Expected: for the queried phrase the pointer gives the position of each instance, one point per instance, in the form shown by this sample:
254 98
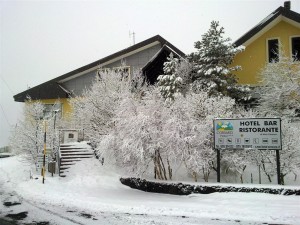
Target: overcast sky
41 40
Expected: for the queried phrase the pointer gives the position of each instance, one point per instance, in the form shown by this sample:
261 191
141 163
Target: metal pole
259 175
44 159
278 167
218 166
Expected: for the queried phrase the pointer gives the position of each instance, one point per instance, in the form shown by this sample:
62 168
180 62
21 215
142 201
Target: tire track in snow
48 211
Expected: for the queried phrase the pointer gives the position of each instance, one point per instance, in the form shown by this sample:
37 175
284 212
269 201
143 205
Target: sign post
248 133
44 156
278 167
218 166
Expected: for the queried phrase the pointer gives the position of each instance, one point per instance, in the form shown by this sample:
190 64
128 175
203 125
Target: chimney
287 5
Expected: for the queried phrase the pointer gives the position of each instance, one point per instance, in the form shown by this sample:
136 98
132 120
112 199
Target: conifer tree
170 83
212 70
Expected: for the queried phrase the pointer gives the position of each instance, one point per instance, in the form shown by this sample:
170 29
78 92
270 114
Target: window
273 50
123 70
295 44
51 109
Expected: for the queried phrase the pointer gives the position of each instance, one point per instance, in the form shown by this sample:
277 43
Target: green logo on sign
223 126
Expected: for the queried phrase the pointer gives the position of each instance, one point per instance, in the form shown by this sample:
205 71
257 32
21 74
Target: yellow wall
66 107
254 58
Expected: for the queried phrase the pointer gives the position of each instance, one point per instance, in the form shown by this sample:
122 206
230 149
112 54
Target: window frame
291 46
59 115
267 48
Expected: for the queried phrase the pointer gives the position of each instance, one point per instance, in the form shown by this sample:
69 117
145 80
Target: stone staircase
71 153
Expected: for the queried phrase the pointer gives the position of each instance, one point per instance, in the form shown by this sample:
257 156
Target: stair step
76 156
69 160
76 150
67 164
64 168
79 155
75 153
72 153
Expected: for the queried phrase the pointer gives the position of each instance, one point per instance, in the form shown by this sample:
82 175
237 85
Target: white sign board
256 133
40 160
70 136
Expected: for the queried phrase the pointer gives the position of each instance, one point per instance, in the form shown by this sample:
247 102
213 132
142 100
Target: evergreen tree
212 61
170 83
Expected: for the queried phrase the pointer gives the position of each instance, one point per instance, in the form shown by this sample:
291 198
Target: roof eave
21 97
281 12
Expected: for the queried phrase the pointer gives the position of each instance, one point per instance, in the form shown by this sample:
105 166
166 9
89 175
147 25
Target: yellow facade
66 107
254 58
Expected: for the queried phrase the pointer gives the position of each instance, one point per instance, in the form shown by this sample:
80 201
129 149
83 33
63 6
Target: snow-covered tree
279 92
170 82
28 135
97 106
212 65
95 111
138 135
279 89
188 133
289 155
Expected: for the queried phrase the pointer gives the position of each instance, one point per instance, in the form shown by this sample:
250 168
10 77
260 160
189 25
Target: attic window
273 50
296 48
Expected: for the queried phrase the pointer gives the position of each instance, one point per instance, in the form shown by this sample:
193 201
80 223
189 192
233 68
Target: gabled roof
54 89
281 13
154 67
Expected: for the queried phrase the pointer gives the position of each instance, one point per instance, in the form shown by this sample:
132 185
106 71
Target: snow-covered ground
92 194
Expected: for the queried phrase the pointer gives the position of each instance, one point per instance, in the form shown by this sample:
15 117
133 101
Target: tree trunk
169 169
157 165
264 169
282 178
194 176
161 163
241 177
206 175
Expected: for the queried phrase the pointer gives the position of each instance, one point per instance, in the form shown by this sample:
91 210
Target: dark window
273 50
296 48
71 135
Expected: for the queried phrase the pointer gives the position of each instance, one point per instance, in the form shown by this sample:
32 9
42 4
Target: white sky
41 40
